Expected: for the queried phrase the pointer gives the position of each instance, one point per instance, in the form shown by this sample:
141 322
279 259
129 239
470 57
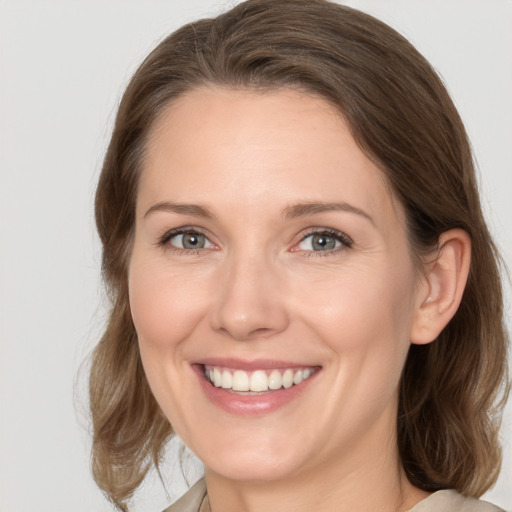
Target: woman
304 288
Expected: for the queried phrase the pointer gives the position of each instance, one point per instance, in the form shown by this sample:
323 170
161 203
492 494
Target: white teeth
240 381
275 381
227 380
258 381
288 379
217 378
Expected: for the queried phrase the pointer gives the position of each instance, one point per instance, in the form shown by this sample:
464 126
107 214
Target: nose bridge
249 302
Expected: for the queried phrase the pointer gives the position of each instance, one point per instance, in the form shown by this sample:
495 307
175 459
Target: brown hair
404 120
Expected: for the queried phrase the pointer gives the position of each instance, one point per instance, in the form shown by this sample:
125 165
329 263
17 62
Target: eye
324 241
188 240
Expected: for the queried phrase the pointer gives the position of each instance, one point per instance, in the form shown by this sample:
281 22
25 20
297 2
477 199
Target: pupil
323 243
193 241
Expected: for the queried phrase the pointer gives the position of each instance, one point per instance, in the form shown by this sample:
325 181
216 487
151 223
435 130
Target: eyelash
164 240
345 241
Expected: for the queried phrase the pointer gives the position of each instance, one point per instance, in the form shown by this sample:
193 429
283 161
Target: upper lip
251 365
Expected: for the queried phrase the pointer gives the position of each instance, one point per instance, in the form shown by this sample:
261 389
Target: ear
441 290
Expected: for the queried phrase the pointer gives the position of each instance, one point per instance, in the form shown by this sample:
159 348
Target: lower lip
251 405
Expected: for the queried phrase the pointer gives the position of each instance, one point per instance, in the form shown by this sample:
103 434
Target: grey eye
190 241
319 242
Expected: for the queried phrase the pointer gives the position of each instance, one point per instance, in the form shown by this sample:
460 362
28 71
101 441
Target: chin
240 468
252 459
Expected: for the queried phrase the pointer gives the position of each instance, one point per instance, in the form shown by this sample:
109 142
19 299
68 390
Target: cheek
165 305
361 300
165 308
364 316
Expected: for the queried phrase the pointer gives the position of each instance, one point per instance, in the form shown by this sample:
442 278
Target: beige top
440 501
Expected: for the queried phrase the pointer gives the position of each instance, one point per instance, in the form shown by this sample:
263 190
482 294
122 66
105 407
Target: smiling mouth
258 381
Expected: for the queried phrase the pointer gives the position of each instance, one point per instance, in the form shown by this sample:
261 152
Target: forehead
246 147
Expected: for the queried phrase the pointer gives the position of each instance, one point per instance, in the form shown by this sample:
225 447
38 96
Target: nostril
248 334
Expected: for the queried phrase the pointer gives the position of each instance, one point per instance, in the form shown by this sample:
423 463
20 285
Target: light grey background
63 67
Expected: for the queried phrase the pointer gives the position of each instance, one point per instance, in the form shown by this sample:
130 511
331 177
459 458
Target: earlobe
443 286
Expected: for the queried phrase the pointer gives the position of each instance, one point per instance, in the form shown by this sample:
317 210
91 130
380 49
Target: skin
258 290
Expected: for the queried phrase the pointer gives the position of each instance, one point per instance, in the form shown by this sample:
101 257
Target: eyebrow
183 209
303 209
291 212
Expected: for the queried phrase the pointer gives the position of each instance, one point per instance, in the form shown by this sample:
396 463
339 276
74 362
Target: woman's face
270 256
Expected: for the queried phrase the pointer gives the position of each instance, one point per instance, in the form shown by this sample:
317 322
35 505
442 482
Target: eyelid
164 239
343 238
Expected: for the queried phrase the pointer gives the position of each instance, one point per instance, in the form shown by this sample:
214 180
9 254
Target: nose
249 303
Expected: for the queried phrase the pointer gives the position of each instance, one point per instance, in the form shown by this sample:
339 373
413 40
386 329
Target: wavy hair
403 119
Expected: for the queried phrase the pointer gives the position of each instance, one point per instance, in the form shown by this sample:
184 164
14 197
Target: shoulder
191 500
451 501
